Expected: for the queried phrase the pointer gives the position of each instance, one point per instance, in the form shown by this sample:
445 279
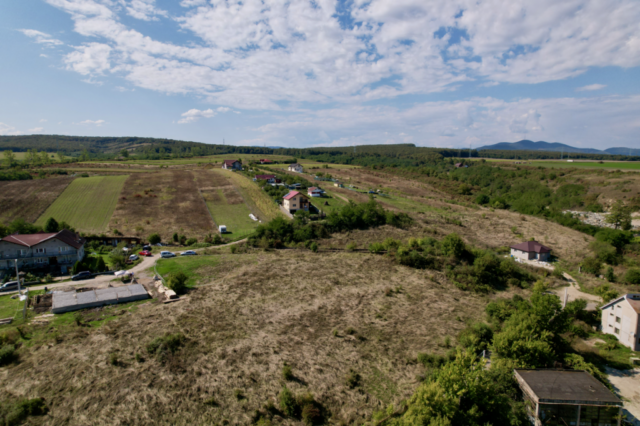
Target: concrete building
620 317
295 167
46 251
531 250
73 301
295 201
232 165
568 397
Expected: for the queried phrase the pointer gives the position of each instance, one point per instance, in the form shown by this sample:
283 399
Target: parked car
84 275
167 254
145 253
9 286
133 257
188 253
146 248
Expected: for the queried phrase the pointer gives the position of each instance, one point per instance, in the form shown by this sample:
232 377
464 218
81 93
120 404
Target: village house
567 397
53 251
531 250
268 178
338 184
232 165
620 317
295 167
314 192
295 201
266 161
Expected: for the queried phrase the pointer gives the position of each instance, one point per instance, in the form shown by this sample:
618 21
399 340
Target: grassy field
230 210
28 199
335 202
9 306
197 268
87 204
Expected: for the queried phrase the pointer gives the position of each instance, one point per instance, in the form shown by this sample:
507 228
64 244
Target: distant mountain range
526 145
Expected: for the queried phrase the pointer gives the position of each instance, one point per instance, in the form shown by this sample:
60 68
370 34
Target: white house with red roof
621 317
531 250
43 249
314 192
232 165
295 201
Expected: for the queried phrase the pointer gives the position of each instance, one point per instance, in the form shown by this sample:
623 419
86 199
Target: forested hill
155 148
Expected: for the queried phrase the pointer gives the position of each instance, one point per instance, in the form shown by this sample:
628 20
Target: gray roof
566 386
71 301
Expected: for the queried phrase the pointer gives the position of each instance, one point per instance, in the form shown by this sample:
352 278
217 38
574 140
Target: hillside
527 145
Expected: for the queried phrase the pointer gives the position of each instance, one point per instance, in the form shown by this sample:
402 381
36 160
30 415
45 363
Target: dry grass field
323 314
28 199
162 202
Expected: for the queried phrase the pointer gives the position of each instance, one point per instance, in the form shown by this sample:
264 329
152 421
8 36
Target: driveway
573 293
627 385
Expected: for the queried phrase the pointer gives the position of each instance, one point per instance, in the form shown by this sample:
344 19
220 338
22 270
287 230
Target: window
617 331
610 325
611 314
23 252
618 319
294 205
41 250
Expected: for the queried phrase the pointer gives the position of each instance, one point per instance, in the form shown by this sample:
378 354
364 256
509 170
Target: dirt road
573 293
627 385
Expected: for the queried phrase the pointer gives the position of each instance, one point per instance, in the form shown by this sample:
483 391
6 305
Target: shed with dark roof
531 250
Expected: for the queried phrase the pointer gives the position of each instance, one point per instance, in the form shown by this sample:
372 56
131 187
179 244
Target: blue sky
449 73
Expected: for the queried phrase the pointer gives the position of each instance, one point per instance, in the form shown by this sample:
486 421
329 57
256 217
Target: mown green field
8 306
335 202
196 268
234 216
87 204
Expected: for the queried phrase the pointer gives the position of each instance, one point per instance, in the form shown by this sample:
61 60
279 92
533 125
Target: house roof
291 194
566 386
632 298
532 246
230 162
265 177
314 189
30 240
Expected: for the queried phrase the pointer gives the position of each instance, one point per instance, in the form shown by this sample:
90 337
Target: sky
440 73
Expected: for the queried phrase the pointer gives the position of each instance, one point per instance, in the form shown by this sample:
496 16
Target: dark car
10 286
84 275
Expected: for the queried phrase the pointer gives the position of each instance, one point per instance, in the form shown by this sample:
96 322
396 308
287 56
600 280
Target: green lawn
87 203
335 202
8 306
234 216
197 268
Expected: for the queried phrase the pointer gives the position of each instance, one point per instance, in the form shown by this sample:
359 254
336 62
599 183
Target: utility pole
18 278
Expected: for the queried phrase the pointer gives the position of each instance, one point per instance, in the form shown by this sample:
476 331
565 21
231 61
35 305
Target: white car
134 257
188 253
166 254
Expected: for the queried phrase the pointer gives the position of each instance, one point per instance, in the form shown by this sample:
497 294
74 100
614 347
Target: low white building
295 167
530 250
620 317
314 192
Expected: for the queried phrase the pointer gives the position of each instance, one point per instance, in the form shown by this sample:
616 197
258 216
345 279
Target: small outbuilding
531 250
314 192
568 397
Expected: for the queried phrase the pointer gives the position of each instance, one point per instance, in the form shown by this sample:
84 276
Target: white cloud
223 109
43 120
36 130
41 38
195 114
261 54
97 123
591 87
92 58
42 55
7 130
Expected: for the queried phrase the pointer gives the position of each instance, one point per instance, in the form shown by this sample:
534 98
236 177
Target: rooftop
290 195
532 246
565 386
30 240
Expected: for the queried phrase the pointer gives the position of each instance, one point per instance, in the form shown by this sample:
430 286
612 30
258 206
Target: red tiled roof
230 162
532 246
291 195
313 188
30 240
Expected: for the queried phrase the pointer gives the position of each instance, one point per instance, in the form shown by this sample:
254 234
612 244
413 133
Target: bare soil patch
162 202
28 199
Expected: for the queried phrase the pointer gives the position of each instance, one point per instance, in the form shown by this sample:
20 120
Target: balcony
36 255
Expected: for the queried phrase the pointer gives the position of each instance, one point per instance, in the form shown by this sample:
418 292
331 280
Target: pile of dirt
42 303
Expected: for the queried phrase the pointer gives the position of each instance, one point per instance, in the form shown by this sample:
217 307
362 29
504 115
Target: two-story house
295 167
621 317
53 251
295 201
232 165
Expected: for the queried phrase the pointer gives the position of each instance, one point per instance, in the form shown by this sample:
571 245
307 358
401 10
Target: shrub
113 359
7 354
591 265
100 265
288 403
376 248
311 414
169 343
606 292
17 413
178 282
352 246
452 245
482 199
632 276
191 241
176 238
313 247
353 379
287 372
239 394
154 239
610 275
183 239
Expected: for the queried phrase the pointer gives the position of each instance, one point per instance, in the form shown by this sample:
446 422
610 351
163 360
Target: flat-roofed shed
564 397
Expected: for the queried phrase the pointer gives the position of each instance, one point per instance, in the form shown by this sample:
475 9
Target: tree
51 225
100 265
610 275
154 239
124 153
10 158
591 265
44 158
61 158
85 155
176 238
178 282
632 276
183 239
620 216
452 245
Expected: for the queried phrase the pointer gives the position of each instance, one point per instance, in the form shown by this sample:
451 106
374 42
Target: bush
353 379
191 241
452 245
352 246
482 199
610 275
7 354
288 403
176 238
154 239
632 276
311 414
591 265
287 372
167 344
113 359
100 265
17 413
376 248
178 282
